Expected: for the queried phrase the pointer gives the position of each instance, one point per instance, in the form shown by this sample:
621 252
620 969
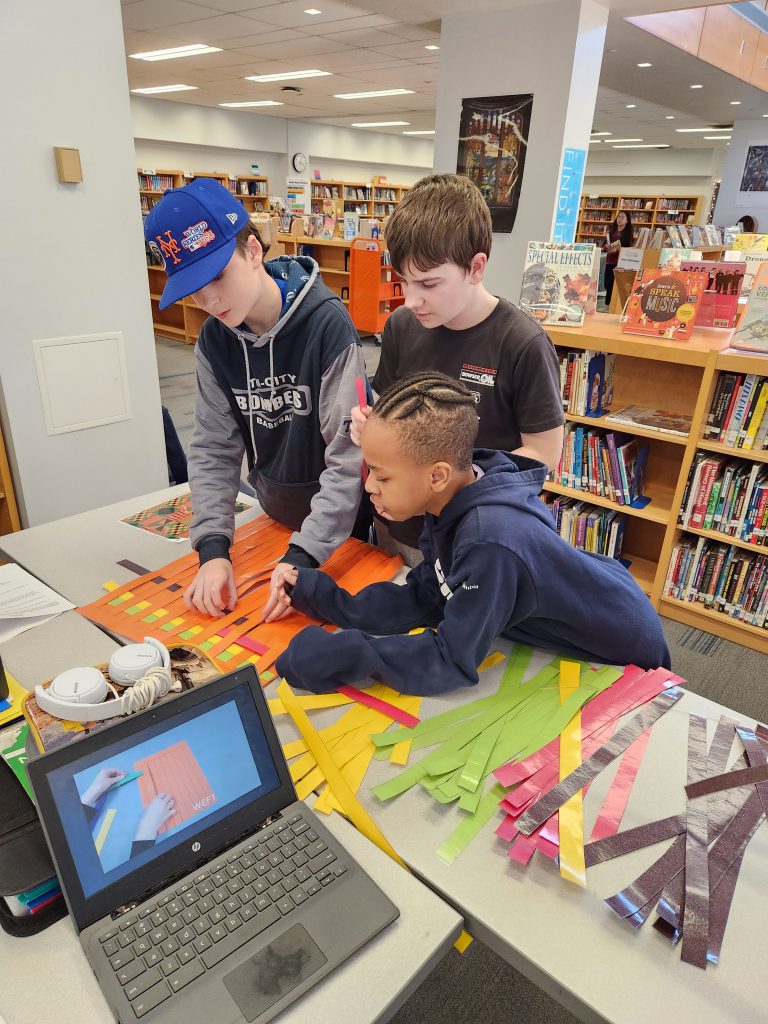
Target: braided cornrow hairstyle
436 418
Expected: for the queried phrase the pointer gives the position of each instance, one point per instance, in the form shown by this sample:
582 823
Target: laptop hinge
210 856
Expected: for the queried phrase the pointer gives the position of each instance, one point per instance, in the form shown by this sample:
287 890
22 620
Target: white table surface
76 555
564 939
46 978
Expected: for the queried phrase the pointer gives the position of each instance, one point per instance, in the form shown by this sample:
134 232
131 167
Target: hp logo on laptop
196 847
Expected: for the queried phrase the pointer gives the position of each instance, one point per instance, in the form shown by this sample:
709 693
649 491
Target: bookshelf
364 198
375 288
682 376
9 512
331 254
597 212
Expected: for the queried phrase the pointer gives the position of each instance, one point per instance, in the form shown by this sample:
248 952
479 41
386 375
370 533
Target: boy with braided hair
493 564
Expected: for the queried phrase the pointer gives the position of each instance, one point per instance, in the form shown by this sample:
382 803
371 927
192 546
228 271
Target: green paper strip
474 769
469 802
466 831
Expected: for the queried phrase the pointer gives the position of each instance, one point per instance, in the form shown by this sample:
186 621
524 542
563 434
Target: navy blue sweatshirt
493 564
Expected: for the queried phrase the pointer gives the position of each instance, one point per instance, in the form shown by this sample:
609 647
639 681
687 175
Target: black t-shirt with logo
507 361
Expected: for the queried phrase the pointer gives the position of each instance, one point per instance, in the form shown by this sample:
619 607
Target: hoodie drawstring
244 346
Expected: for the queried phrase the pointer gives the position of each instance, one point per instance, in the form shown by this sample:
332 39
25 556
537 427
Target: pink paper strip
522 851
379 705
624 695
251 645
614 805
548 849
507 829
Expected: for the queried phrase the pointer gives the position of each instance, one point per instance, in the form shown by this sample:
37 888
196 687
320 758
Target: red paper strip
379 705
251 645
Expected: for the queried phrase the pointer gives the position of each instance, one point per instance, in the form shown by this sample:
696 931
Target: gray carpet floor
479 985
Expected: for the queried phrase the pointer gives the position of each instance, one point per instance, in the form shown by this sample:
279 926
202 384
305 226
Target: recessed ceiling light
312 10
645 64
686 131
253 103
717 138
176 51
765 115
430 131
595 142
626 140
735 103
669 117
631 106
285 76
369 95
379 124
697 86
431 46
164 88
648 145
602 133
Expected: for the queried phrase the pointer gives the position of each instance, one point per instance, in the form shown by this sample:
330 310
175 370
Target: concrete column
73 260
732 202
552 50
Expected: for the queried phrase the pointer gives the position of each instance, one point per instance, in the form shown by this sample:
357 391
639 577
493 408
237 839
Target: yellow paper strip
106 825
571 814
351 806
493 659
401 751
110 585
463 941
309 783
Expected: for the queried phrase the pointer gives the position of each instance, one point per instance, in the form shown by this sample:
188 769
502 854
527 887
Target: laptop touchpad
274 971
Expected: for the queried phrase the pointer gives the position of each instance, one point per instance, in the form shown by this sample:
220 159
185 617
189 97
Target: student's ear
254 250
440 476
477 267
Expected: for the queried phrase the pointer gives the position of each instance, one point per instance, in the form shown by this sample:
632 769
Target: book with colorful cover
719 306
752 333
652 419
745 240
191 668
663 303
753 260
672 259
170 519
559 283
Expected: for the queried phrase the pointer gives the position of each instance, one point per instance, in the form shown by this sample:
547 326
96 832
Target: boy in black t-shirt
439 239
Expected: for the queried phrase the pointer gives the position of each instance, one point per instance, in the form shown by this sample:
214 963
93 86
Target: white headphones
79 694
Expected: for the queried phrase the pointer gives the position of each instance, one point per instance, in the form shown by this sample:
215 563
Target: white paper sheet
26 602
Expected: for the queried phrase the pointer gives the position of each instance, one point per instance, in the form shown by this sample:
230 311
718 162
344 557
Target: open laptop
201 889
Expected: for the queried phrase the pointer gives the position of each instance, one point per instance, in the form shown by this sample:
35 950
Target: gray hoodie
282 399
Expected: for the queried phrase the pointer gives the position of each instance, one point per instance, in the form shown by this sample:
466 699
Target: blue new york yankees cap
192 231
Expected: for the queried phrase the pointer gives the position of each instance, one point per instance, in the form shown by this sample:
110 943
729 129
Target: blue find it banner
569 195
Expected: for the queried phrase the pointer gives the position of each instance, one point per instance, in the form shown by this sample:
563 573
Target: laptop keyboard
159 949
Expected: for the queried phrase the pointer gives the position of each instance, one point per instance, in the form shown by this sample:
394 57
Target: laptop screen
131 807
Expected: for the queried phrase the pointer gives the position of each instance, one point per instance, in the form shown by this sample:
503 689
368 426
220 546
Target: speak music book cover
663 303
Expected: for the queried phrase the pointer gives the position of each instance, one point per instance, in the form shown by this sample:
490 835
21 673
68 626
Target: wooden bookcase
182 321
597 212
369 200
9 512
681 376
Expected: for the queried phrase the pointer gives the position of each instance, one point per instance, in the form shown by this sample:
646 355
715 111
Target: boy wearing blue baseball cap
276 363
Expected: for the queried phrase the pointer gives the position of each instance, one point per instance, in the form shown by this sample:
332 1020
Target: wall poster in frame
493 139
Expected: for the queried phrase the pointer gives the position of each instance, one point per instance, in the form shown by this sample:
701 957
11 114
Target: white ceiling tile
210 30
316 27
233 6
290 13
368 37
153 14
241 43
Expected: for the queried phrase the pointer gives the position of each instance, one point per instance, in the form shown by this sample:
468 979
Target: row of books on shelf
386 195
605 464
155 182
357 192
720 576
252 188
326 192
738 416
728 496
588 528
586 382
147 202
384 209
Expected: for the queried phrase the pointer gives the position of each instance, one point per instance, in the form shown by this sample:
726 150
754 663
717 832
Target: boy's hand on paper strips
279 603
213 591
106 778
359 415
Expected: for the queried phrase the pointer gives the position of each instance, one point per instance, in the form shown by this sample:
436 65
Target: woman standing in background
619 234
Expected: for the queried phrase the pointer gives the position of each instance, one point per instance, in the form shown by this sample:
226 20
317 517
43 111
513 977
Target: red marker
362 402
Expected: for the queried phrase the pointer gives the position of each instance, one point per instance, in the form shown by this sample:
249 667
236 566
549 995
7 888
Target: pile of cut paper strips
544 741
